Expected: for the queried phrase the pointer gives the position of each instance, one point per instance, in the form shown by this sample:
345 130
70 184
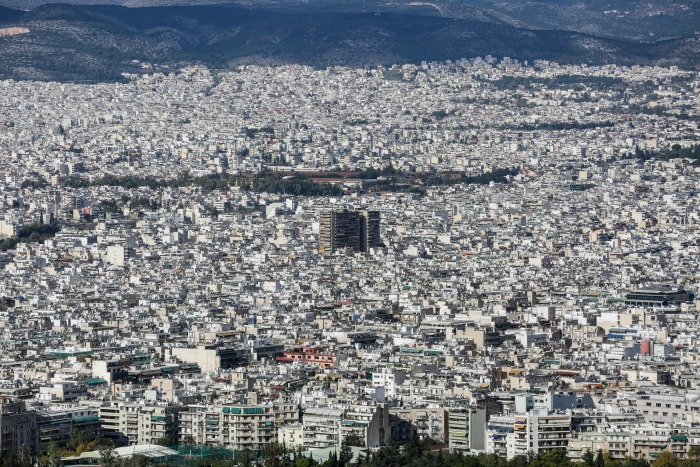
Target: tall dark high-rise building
353 230
340 229
369 235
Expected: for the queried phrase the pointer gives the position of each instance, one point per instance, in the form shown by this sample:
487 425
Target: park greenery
415 452
420 453
267 182
675 152
33 233
34 183
76 444
251 132
298 184
497 175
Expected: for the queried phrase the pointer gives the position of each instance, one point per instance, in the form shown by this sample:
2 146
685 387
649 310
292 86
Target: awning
96 381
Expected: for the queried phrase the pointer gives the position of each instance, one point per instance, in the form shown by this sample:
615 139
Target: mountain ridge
99 42
621 19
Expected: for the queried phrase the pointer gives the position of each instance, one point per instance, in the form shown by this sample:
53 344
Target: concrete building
212 358
425 422
539 433
17 426
353 230
233 427
322 427
466 430
128 424
56 425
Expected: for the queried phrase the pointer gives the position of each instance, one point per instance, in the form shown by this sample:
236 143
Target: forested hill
90 43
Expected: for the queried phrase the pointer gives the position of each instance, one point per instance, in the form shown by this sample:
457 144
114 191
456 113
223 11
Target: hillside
87 43
8 14
629 19
620 19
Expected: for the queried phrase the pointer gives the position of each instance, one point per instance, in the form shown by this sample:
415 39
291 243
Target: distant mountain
621 19
8 14
629 19
87 43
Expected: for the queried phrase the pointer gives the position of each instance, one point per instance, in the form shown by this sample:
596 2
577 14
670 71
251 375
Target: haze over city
301 234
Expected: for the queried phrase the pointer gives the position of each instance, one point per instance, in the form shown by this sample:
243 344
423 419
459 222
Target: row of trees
419 454
395 182
415 453
206 182
298 184
496 176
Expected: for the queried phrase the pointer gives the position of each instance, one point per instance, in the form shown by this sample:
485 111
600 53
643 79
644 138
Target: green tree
109 458
611 462
666 459
275 452
75 438
52 457
345 455
15 459
354 440
25 455
694 452
414 448
555 458
137 460
632 463
245 458
305 462
332 460
600 459
165 441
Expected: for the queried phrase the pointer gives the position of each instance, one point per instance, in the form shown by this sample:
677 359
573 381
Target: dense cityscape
482 259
